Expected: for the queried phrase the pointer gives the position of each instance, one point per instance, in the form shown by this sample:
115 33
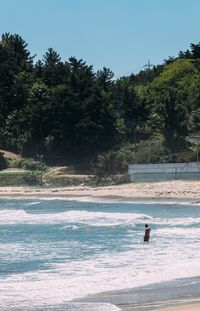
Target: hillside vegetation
77 117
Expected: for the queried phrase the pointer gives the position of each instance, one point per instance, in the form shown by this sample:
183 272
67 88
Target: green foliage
113 162
18 178
183 157
15 130
151 151
66 109
193 53
171 102
30 178
3 163
173 73
26 164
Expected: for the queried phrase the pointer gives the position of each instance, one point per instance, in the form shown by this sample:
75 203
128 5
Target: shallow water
55 251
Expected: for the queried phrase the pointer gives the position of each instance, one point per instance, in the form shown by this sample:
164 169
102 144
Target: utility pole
149 145
134 133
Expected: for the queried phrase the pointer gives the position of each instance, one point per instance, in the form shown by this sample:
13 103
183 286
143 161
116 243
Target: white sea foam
91 218
176 221
70 280
188 233
33 203
91 307
85 217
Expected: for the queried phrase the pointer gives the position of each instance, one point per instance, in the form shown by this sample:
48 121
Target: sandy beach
175 191
191 307
169 190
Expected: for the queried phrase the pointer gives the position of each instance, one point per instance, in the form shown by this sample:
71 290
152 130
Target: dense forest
74 115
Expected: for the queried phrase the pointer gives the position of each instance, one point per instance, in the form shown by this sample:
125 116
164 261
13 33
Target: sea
57 254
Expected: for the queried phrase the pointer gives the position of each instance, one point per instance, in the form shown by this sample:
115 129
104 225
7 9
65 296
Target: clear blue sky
119 34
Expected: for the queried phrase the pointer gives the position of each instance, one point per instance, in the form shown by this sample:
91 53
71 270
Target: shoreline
105 199
174 295
168 191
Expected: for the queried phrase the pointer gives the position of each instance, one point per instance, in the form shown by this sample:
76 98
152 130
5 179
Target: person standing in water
147 233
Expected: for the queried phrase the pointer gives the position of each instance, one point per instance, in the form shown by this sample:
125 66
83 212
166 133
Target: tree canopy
66 109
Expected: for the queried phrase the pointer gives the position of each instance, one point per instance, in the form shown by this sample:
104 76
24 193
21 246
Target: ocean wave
85 217
182 221
91 218
188 233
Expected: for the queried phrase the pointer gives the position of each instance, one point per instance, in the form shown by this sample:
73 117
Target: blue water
55 251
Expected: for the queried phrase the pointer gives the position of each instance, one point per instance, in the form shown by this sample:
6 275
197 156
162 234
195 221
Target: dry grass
64 176
64 171
10 155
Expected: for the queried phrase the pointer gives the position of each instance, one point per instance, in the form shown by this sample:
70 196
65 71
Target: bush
26 164
3 163
151 151
30 178
113 162
182 157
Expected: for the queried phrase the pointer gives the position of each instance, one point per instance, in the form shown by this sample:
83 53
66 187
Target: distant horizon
116 34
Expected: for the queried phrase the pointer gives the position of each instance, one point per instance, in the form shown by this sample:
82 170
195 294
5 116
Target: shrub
186 156
3 163
113 162
30 178
26 164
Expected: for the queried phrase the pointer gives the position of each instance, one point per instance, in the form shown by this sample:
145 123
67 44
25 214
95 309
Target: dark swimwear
147 235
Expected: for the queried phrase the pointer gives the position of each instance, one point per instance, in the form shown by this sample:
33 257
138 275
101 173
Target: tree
38 111
15 71
104 78
130 105
169 115
16 130
51 68
18 55
195 50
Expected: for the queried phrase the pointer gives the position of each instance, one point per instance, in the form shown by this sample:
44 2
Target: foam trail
33 203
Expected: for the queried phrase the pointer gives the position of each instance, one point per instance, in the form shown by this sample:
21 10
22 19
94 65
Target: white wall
168 171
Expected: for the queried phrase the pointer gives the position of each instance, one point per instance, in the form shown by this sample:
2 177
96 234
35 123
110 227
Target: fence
161 172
